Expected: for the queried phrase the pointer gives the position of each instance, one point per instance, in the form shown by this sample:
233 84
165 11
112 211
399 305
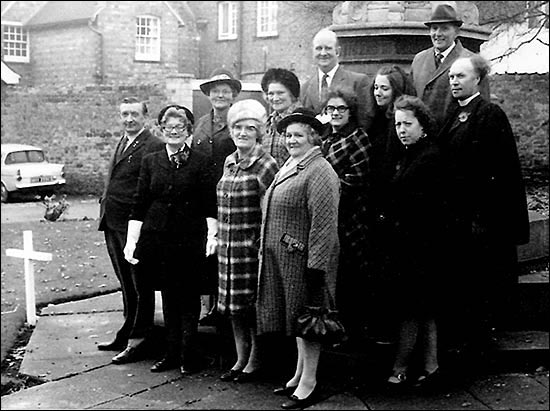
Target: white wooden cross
28 254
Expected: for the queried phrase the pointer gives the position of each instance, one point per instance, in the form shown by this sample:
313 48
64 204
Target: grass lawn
80 268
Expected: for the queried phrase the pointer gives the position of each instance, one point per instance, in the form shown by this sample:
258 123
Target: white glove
211 237
132 237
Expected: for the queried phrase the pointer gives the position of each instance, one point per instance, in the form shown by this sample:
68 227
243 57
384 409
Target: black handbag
321 324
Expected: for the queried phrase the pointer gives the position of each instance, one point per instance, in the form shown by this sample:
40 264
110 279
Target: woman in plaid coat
299 246
246 175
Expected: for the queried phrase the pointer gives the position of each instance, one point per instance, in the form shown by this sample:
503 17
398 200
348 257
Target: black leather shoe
130 354
230 375
299 404
165 364
428 380
111 346
285 391
247 376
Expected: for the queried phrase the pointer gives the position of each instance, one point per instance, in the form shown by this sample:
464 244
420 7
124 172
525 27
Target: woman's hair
174 112
285 77
400 83
349 96
420 111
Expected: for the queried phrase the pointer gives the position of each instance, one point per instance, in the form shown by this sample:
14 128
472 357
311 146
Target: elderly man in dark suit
330 74
430 67
115 206
487 204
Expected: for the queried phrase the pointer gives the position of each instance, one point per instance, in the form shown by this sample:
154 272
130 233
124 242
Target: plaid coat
240 191
348 152
299 232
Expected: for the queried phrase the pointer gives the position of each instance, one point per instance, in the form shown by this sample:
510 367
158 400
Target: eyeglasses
179 128
340 109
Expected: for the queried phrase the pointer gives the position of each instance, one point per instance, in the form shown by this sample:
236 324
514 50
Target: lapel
312 155
339 77
449 60
136 144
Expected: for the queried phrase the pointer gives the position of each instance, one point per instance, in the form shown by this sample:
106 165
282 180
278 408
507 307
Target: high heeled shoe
295 403
428 379
230 375
285 391
397 379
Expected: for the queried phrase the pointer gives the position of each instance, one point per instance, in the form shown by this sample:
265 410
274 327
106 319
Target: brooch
462 117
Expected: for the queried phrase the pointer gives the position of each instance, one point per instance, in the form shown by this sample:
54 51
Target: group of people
404 191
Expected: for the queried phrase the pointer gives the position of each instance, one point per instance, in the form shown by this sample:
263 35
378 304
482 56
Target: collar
445 53
464 103
132 138
248 160
170 151
331 74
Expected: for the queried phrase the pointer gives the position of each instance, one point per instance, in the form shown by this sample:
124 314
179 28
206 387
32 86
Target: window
267 18
18 157
227 20
148 38
15 41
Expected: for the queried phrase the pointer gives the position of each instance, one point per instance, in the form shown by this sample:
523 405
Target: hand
211 246
129 252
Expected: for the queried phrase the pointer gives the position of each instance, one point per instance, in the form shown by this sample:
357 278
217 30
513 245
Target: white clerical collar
330 74
463 103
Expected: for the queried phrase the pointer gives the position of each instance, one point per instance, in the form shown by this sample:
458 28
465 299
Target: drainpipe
100 72
240 41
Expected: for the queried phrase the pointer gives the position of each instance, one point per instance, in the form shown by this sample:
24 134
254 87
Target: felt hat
286 77
248 109
221 76
444 13
301 115
188 113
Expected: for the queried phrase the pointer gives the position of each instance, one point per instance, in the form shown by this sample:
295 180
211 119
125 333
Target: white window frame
147 45
266 19
227 20
25 44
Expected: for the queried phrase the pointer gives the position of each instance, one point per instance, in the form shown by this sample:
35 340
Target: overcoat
121 181
214 141
299 232
432 85
173 204
358 82
240 192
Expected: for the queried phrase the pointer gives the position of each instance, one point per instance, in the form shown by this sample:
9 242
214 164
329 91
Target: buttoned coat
240 192
299 232
121 182
173 204
358 82
432 85
205 137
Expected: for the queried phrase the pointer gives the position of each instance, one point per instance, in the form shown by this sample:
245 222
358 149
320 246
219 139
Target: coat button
225 195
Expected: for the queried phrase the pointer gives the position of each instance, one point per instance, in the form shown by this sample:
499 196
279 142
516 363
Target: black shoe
165 364
428 380
212 319
299 404
230 375
247 376
285 391
115 345
185 370
130 354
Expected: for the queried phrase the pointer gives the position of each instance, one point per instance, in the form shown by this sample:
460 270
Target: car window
31 156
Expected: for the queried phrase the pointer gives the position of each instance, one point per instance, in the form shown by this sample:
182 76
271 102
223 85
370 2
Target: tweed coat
121 182
432 85
213 140
358 82
240 192
299 233
173 204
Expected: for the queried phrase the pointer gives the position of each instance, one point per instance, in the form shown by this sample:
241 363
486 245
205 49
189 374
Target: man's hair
481 66
328 31
134 100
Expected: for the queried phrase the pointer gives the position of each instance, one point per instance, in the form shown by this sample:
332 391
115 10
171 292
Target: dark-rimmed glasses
339 109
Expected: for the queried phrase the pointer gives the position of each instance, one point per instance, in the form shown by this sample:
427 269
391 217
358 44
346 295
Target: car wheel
5 194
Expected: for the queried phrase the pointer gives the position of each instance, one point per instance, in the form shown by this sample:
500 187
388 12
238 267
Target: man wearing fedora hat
430 67
212 138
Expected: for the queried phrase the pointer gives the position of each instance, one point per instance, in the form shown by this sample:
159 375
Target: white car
25 168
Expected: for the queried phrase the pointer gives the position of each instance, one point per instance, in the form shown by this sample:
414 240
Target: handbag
321 324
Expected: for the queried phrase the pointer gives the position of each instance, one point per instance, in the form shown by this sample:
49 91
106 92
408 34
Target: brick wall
76 126
524 98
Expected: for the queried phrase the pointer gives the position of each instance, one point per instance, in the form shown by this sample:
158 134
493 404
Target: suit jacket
432 85
486 182
121 182
358 82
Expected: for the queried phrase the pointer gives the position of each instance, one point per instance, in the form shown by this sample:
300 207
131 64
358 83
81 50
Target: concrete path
62 352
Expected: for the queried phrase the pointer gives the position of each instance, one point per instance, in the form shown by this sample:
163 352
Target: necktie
438 58
324 88
121 148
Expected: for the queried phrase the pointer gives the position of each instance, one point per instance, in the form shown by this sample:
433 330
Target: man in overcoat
430 76
488 205
115 206
330 74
